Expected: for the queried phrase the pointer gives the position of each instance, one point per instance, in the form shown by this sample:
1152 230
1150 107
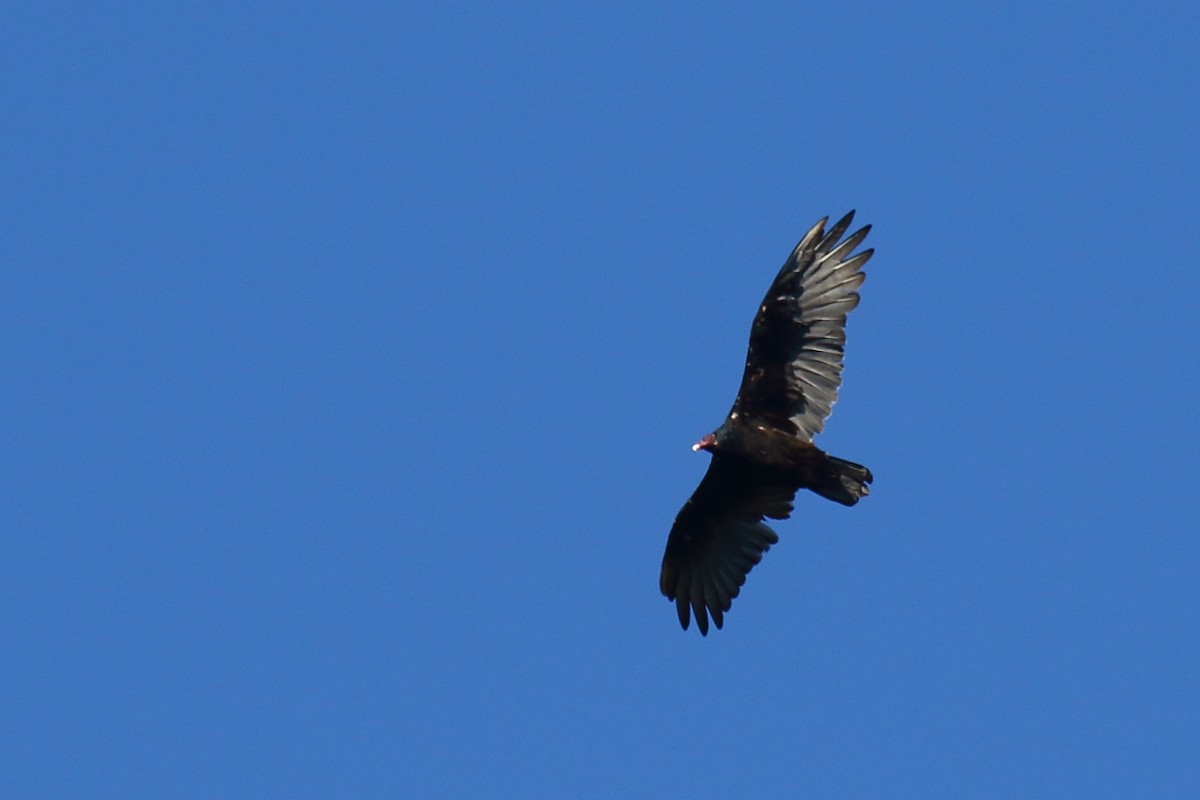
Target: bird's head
707 443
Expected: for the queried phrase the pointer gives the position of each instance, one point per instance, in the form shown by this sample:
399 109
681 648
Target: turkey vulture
763 451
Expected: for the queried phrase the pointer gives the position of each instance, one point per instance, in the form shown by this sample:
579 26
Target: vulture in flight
764 452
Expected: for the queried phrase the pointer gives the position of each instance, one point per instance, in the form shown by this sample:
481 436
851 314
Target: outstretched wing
718 537
794 362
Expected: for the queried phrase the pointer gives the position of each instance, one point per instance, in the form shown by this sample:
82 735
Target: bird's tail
844 481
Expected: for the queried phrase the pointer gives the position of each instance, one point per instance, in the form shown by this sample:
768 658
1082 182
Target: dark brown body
779 458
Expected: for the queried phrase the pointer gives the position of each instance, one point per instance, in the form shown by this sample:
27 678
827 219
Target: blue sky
354 354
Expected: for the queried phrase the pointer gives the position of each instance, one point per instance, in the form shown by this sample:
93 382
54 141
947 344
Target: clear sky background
352 355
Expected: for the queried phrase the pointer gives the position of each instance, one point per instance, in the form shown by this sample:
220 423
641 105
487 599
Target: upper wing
718 537
794 362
